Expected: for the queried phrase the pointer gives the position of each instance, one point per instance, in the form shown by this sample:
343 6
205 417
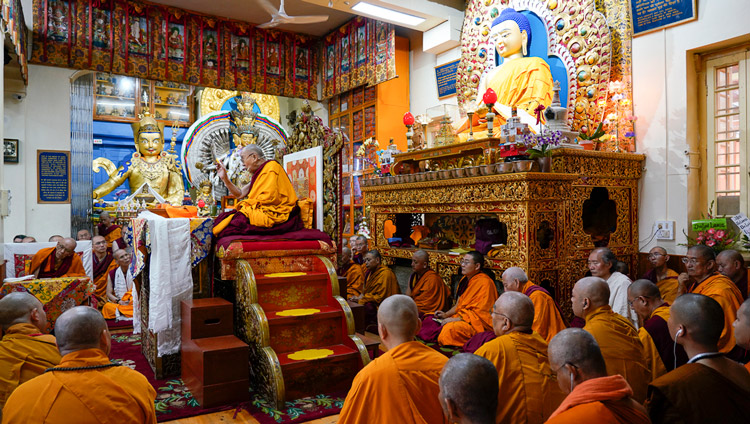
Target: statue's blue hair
510 14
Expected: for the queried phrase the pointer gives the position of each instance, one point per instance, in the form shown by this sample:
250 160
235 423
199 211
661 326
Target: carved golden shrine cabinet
551 218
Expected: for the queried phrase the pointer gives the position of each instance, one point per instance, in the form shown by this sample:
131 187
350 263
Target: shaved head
595 289
732 255
469 388
701 316
83 234
255 149
659 249
346 255
644 288
702 251
515 272
17 307
421 255
399 315
55 238
80 328
577 347
517 307
742 326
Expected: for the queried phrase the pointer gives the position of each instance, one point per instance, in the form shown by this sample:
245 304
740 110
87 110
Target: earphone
678 334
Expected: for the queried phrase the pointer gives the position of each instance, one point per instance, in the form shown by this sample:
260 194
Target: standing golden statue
150 164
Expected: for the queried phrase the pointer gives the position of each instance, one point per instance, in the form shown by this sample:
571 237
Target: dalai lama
58 261
270 206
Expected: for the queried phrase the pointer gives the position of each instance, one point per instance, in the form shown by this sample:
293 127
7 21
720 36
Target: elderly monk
359 248
661 275
702 278
731 264
601 264
380 283
742 328
593 396
119 288
400 386
355 278
616 336
103 264
24 351
470 314
110 231
58 261
710 387
468 390
425 285
653 312
268 205
83 234
86 387
528 391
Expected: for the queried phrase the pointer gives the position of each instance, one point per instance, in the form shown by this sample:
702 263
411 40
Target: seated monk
742 328
593 395
602 264
470 314
359 248
25 352
661 275
380 283
86 387
355 279
83 234
58 261
103 264
528 390
702 278
616 336
110 231
710 388
425 285
468 390
653 312
55 238
119 288
731 264
268 205
400 386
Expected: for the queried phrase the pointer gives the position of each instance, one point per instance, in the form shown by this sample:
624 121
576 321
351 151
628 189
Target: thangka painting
305 170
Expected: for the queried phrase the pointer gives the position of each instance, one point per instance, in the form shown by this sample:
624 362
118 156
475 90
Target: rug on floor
174 400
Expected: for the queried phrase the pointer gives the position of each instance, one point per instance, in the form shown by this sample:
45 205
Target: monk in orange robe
468 389
25 352
119 288
664 277
103 264
615 334
528 391
269 204
653 313
710 387
97 388
425 285
548 319
58 261
593 397
470 314
355 279
731 264
400 386
702 278
742 328
111 232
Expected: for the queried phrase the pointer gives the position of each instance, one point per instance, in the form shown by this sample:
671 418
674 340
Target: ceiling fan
279 17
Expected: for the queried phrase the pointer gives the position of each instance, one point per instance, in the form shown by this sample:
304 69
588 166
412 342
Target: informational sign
742 221
705 224
446 79
53 176
650 15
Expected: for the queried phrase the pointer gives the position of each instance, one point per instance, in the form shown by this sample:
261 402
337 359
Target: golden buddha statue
521 81
150 164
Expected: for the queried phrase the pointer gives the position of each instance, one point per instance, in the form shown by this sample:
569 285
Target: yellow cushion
306 209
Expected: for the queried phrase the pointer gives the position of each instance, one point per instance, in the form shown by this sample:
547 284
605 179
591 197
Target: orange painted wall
393 100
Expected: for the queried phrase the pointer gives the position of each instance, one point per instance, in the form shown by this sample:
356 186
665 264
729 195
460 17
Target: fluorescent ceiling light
387 14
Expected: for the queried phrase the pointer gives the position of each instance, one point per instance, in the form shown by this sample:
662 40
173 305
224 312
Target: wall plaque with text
53 176
651 15
446 79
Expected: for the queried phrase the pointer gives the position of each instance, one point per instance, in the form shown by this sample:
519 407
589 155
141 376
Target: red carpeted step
289 292
308 377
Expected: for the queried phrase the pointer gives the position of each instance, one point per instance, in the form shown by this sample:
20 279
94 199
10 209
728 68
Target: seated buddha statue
150 164
522 82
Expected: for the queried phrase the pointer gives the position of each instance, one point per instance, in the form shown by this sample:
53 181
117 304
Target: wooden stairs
300 332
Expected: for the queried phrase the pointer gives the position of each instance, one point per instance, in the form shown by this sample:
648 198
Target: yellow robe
24 354
547 319
400 386
380 284
473 307
117 394
668 286
271 198
621 348
724 291
528 388
429 292
355 280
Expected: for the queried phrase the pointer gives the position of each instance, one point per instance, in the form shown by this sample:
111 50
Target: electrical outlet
664 230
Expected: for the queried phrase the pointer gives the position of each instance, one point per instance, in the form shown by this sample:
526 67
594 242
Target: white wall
660 97
422 81
40 121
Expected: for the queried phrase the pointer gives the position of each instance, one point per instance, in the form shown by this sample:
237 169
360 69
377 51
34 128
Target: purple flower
630 134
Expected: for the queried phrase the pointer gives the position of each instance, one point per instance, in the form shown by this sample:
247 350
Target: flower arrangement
540 145
716 239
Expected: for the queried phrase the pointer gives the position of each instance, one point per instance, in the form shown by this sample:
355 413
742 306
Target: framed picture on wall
10 150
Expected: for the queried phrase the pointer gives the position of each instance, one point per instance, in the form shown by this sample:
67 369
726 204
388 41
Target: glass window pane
721 77
733 76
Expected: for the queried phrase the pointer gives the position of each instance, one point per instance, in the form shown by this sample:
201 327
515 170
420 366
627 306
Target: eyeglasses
594 262
630 302
690 261
655 255
466 262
